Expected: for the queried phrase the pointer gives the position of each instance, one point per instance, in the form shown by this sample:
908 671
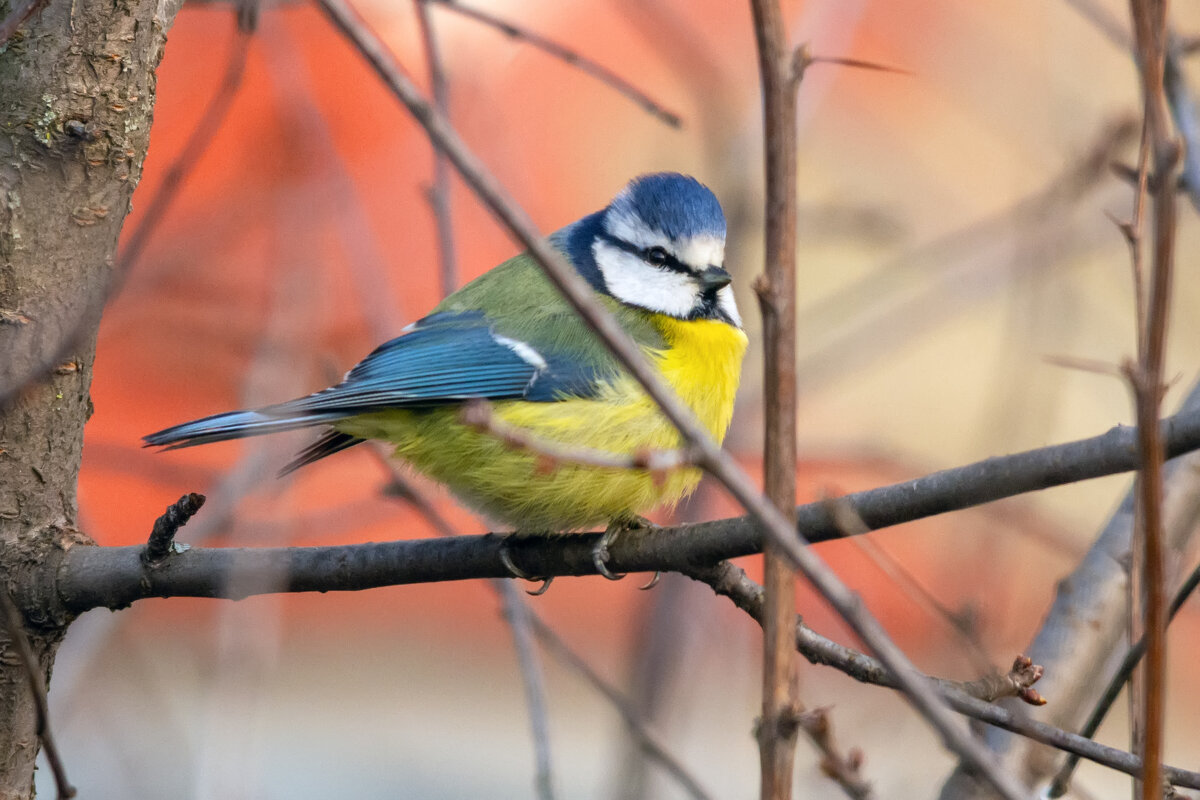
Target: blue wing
447 358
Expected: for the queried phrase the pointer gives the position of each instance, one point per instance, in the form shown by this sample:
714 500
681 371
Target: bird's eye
657 256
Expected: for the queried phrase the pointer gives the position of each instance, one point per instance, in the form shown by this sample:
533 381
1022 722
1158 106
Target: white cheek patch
633 281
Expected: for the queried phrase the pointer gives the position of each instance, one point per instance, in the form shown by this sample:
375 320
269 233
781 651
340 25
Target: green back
524 305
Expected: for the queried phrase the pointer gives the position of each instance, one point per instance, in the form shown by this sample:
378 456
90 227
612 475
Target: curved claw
652 582
600 560
513 569
541 590
517 572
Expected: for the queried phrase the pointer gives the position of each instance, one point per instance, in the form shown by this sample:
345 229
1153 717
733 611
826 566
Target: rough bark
76 97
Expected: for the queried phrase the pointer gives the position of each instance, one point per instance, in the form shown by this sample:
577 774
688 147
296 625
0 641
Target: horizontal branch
113 577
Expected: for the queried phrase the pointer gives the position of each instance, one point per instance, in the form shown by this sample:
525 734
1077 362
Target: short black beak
714 278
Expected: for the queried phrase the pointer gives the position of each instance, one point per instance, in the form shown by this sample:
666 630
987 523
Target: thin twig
856 63
843 769
17 17
37 687
1146 378
909 294
439 191
729 581
1062 780
853 527
478 414
1183 106
517 614
568 56
162 535
211 120
550 639
579 294
1187 119
189 156
779 75
634 723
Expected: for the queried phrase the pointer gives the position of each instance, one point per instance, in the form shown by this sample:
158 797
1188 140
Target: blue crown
675 205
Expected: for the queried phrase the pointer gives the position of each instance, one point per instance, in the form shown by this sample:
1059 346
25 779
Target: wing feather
446 358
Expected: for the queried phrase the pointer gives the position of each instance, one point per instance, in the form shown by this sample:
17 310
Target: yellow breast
702 363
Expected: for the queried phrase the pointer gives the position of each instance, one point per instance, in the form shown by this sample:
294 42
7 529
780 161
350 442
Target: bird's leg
517 572
615 529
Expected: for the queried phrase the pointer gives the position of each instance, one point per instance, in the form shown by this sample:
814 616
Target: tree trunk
76 98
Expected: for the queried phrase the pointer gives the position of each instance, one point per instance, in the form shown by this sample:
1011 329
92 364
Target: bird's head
659 245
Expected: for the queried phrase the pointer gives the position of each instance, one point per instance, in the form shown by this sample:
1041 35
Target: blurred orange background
303 236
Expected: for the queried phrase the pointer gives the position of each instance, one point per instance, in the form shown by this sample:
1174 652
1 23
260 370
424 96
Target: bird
654 257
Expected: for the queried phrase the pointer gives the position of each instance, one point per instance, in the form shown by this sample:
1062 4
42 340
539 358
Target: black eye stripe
654 256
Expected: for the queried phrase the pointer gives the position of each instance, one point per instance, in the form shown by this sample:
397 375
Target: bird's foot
615 529
517 572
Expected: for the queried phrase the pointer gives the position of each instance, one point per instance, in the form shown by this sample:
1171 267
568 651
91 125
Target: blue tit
654 257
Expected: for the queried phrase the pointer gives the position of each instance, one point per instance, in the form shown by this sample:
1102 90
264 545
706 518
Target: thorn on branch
162 537
1094 366
1125 227
802 59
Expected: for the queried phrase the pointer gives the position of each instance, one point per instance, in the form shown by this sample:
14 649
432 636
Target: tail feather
330 442
237 425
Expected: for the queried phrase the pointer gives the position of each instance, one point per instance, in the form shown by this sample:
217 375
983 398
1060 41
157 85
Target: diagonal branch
731 582
567 56
774 524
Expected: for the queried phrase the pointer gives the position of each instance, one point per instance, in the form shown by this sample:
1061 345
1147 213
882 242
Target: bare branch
566 55
516 613
1089 614
647 740
579 295
776 290
111 577
852 526
1146 377
439 192
842 769
1063 779
729 581
37 687
518 616
210 123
